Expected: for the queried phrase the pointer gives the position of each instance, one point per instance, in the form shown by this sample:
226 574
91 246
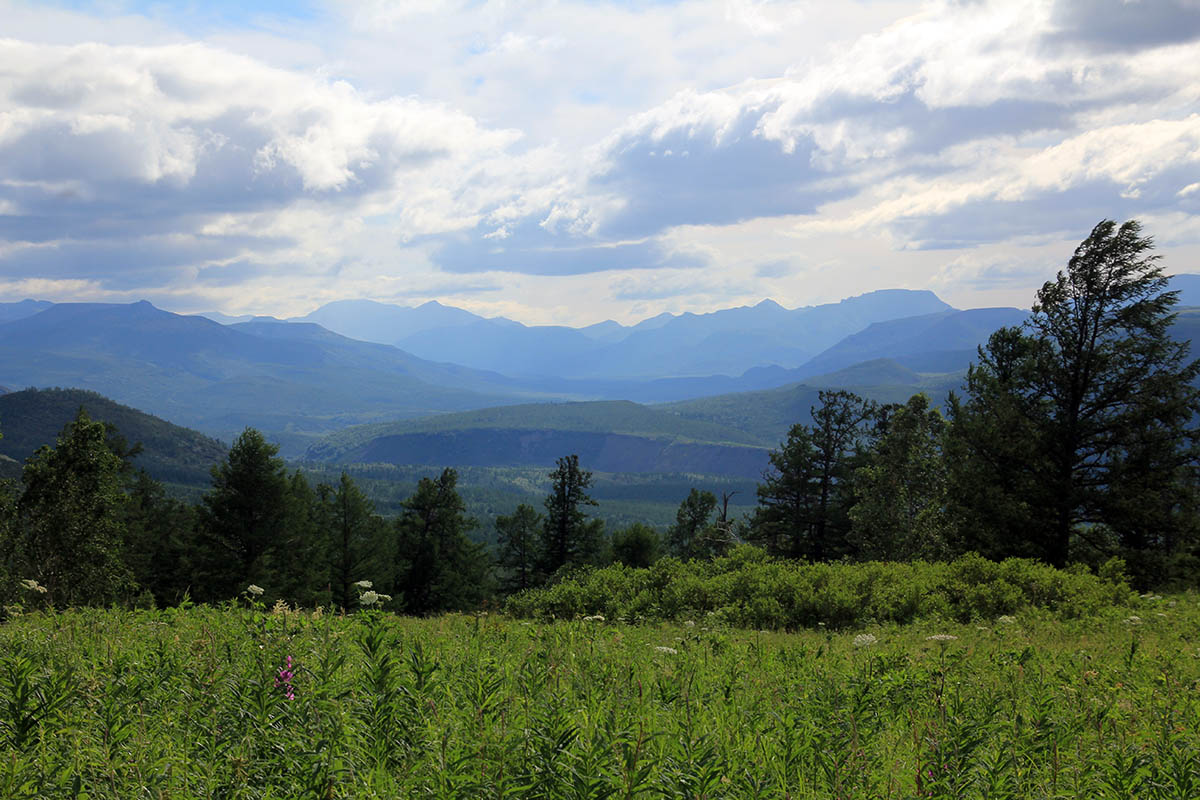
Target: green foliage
438 568
375 707
72 518
1085 417
900 513
805 498
569 538
160 542
243 518
519 542
747 588
636 546
693 535
357 539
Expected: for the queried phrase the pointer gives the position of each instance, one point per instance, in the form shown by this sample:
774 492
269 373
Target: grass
186 703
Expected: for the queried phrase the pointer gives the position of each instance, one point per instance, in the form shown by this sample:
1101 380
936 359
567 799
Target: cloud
134 145
1105 25
686 153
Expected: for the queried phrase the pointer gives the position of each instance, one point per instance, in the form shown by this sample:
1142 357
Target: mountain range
754 369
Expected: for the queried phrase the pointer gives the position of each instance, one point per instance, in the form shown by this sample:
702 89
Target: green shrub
747 588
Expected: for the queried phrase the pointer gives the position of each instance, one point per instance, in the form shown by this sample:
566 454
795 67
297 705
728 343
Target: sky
570 161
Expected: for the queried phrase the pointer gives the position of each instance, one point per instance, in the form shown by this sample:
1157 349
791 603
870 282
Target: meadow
243 701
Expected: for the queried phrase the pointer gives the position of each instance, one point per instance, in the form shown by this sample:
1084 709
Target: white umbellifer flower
1006 619
364 584
594 618
33 586
864 640
1133 620
689 624
941 637
368 598
671 651
254 589
384 598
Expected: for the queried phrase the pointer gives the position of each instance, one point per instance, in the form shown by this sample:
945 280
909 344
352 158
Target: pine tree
805 497
438 567
72 518
356 537
569 538
243 519
519 541
1098 397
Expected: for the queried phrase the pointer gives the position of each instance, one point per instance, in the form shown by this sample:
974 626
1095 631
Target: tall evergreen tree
357 539
1100 398
692 536
519 540
438 567
900 513
568 536
243 518
159 540
72 518
804 500
297 563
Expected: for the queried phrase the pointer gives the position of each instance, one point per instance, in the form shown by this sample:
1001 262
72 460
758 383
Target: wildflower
363 584
594 618
255 590
283 681
368 598
689 624
1133 620
864 640
33 586
671 651
1006 619
941 637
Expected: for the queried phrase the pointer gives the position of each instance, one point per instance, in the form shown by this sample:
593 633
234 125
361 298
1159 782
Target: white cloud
703 151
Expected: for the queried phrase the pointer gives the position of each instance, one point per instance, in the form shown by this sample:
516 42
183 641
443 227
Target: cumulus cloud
176 152
694 151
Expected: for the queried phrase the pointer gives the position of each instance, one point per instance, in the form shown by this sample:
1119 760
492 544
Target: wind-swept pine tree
1079 429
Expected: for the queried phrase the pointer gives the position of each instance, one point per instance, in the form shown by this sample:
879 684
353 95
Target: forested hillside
33 418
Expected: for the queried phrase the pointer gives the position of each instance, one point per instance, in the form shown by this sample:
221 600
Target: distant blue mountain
272 375
941 342
385 323
25 308
726 342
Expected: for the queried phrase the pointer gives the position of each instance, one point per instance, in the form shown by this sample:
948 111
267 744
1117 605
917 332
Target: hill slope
172 454
607 436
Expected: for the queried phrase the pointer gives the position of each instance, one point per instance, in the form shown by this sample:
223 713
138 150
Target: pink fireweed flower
283 681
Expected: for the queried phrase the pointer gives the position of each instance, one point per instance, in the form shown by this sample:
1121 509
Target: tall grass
193 703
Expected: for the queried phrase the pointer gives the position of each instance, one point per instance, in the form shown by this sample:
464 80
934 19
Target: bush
749 589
